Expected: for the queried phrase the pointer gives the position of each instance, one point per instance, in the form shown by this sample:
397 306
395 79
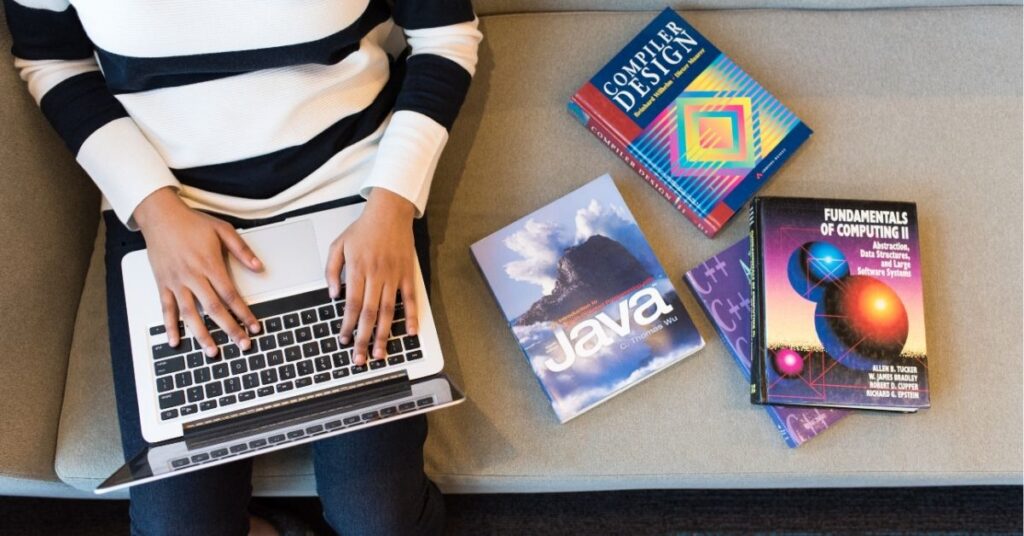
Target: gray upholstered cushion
920 104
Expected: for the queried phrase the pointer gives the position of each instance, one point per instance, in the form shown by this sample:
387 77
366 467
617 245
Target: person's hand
186 250
379 259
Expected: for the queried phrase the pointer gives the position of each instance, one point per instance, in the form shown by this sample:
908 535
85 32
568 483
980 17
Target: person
195 118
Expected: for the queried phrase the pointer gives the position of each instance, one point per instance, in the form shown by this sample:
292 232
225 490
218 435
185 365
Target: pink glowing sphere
789 362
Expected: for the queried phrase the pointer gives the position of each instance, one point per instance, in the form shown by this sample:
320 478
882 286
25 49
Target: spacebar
313 298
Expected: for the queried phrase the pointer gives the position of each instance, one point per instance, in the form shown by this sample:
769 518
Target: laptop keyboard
296 349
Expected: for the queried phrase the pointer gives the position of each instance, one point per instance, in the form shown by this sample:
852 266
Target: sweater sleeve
56 59
443 38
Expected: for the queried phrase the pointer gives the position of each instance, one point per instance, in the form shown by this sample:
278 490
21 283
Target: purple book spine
722 287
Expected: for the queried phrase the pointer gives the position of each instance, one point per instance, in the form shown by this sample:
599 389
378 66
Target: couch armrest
48 219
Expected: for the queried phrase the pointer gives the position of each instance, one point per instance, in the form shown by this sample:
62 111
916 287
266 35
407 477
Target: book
586 298
838 306
721 285
686 118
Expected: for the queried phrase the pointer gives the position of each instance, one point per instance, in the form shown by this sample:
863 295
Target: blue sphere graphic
814 266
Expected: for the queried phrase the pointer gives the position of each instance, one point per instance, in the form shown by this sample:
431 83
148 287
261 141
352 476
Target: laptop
296 384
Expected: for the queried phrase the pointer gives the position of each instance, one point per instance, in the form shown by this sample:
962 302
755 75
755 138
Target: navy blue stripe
129 74
79 106
418 14
41 34
265 176
435 87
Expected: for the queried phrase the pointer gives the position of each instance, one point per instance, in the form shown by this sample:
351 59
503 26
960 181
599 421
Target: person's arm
56 58
377 250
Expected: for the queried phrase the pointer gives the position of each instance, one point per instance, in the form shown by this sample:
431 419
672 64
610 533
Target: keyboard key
194 394
358 369
220 371
168 366
246 395
293 353
169 414
335 327
199 458
351 420
286 372
321 330
268 376
257 362
276 438
273 325
207 405
398 329
326 312
303 334
305 367
257 443
378 364
219 337
322 363
332 425
286 386
389 411
295 434
268 343
188 410
201 375
214 390
315 429
395 360
339 307
219 453
310 349
328 345
164 384
275 358
170 400
322 377
394 347
412 356
370 415
163 350
227 400
253 348
180 462
238 366
340 359
194 359
251 380
285 339
304 382
157 330
424 402
264 391
308 316
291 321
340 373
411 342
230 351
183 379
406 406
232 385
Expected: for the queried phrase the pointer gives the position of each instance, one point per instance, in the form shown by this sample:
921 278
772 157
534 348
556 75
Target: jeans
369 482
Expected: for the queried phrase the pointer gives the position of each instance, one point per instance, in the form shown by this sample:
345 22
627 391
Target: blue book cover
722 287
586 298
689 120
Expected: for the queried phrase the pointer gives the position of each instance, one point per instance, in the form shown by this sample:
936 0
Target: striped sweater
249 108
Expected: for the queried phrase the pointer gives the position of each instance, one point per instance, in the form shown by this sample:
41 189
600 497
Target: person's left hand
379 258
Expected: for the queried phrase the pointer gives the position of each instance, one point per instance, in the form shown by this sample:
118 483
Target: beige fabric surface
47 220
901 110
496 7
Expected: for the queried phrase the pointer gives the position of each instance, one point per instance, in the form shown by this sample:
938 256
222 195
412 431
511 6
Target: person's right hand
186 250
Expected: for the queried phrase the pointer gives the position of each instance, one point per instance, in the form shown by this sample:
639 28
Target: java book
722 287
691 122
838 304
585 298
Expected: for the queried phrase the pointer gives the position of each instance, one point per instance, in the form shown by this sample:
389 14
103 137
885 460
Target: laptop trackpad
290 258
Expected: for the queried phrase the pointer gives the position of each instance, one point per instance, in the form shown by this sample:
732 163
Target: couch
909 99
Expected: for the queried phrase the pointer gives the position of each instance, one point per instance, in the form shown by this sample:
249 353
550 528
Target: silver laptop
198 412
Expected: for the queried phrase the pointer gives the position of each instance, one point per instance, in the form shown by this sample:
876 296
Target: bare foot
260 527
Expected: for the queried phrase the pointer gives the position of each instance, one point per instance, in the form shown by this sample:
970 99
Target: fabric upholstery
496 7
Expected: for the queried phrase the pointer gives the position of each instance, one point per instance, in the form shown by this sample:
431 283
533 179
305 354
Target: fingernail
334 292
344 339
211 351
360 359
244 344
256 263
255 328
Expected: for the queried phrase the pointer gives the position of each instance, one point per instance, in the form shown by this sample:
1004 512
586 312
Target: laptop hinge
281 412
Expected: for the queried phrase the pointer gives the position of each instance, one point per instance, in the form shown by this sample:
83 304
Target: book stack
821 306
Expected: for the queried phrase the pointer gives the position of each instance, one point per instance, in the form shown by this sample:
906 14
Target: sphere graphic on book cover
860 320
788 362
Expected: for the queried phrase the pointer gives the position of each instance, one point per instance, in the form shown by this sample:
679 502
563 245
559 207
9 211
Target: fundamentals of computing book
700 130
585 298
722 287
838 304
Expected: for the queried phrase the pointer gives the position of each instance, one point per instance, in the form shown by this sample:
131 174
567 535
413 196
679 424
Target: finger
335 262
238 248
190 314
353 304
367 318
215 308
225 288
170 310
385 315
412 318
